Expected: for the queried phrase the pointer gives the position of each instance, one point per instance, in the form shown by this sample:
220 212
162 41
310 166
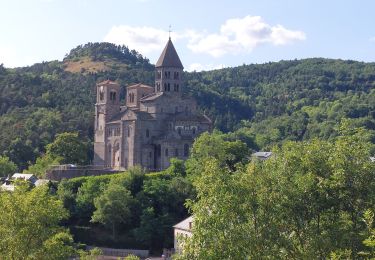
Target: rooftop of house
185 224
262 155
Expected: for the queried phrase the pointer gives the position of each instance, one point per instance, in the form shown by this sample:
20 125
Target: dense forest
263 104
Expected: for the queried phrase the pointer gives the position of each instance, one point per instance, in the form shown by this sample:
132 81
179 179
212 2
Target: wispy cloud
238 35
143 39
241 35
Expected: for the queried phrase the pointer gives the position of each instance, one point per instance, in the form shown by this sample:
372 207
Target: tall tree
69 147
113 207
29 225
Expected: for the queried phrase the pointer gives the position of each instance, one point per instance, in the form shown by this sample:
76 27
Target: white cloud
143 39
238 35
242 35
202 67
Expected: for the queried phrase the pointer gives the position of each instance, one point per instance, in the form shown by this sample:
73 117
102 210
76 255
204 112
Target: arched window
166 151
194 130
169 87
101 94
179 130
112 95
147 133
186 150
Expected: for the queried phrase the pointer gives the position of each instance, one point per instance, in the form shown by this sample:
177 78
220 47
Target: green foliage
29 225
90 255
42 164
219 146
113 206
305 202
6 166
132 257
68 148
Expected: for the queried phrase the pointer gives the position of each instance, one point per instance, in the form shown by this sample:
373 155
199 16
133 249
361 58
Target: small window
176 75
166 151
186 150
165 86
176 152
101 95
147 133
194 130
169 87
179 130
177 87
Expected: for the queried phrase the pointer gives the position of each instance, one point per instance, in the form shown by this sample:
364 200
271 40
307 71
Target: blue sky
207 34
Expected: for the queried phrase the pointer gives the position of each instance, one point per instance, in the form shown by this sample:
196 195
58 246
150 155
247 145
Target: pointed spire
169 57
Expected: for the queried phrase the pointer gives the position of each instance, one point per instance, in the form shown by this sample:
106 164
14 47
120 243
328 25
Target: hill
263 104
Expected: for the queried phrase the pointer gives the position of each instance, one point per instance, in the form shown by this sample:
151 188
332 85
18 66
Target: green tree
42 164
113 207
6 166
303 203
69 147
29 225
216 145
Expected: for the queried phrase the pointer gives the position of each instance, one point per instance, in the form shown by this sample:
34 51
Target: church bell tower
107 105
168 71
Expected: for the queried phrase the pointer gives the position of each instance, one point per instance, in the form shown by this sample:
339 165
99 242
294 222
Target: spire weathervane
169 31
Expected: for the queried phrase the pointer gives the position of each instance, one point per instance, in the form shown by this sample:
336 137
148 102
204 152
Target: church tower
168 71
107 105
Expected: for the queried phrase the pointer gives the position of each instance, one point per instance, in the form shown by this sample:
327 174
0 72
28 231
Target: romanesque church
156 123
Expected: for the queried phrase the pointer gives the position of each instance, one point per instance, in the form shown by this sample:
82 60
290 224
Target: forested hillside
262 104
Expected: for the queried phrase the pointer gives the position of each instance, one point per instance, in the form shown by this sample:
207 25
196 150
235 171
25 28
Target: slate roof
169 57
140 85
182 116
151 97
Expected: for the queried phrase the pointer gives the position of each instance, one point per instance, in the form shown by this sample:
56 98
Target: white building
182 230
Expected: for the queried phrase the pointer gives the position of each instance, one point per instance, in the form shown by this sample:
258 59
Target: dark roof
140 85
169 57
190 117
152 96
